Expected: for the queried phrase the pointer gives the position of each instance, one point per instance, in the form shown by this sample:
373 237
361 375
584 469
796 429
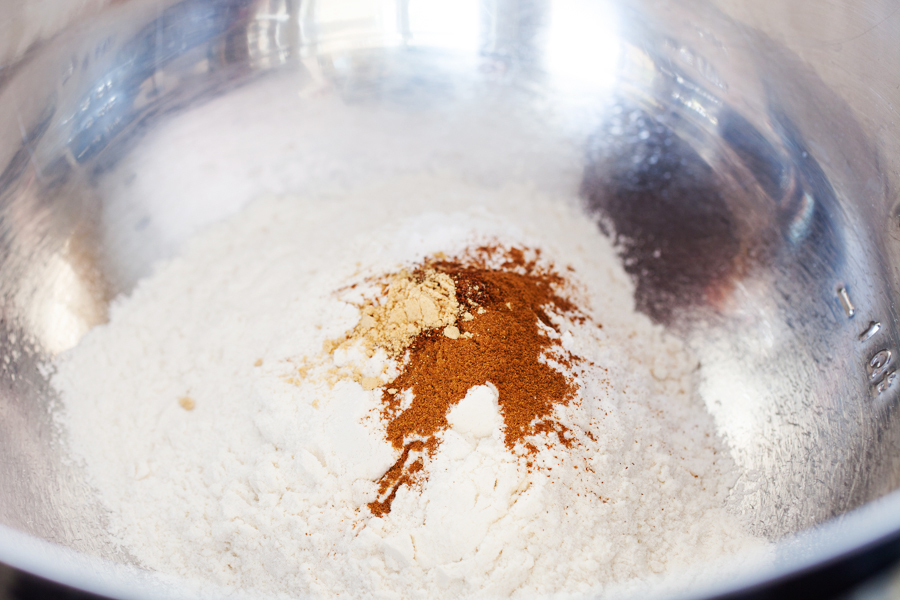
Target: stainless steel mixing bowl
745 155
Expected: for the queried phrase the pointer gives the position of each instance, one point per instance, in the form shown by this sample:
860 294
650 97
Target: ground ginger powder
415 302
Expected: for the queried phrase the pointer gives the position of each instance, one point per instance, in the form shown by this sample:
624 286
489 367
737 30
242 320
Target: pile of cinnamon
504 336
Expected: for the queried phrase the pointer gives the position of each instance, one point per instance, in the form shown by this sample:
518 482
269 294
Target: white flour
263 485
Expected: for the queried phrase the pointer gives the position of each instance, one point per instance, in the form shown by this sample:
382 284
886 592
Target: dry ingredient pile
418 389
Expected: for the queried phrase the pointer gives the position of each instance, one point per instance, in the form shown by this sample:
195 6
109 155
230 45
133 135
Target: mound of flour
215 463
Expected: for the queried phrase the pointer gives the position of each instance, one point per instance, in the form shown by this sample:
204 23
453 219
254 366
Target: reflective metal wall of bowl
751 195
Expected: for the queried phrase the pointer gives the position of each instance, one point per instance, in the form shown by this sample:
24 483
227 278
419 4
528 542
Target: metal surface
747 169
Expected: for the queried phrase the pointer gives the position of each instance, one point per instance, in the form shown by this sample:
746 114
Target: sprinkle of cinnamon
510 340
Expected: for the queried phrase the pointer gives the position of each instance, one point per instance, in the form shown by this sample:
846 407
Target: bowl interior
748 202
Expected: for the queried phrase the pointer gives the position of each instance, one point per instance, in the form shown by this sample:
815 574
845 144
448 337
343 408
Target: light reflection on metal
799 226
439 24
583 45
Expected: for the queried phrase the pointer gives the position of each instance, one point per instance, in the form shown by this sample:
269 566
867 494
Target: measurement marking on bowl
887 382
846 304
880 365
882 374
873 328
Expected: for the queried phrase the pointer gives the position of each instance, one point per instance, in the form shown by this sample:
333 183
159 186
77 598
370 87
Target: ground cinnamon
507 301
